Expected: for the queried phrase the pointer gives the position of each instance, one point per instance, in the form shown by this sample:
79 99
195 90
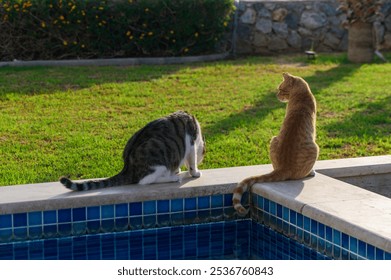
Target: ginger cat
293 151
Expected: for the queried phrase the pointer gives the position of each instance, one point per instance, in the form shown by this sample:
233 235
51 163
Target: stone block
277 44
279 14
312 20
294 39
249 16
264 25
280 29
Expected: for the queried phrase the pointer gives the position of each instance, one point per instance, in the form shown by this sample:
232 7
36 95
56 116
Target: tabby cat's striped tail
92 184
247 183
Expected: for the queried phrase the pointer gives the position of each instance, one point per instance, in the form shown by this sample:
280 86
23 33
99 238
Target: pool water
238 239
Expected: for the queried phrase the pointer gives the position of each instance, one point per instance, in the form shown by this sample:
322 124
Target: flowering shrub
58 29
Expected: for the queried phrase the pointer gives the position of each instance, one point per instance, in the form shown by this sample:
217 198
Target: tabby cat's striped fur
293 152
155 153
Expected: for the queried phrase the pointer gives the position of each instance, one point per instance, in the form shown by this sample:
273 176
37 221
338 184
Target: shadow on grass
369 118
44 80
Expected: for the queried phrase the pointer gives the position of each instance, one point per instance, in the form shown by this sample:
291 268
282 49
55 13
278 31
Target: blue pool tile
336 237
272 208
107 225
5 221
149 221
314 227
293 217
50 217
216 201
6 235
35 232
203 202
307 223
266 203
20 220
149 207
50 231
79 248
135 222
65 229
79 214
370 252
163 206
285 214
93 247
176 205
64 249
122 246
362 248
107 245
379 254
321 230
177 218
163 220
260 204
79 228
228 199
64 215
36 251
35 218
353 244
121 224
20 233
345 241
279 211
93 226
50 247
93 213
20 251
6 251
135 209
300 220
329 234
121 210
387 256
107 211
190 203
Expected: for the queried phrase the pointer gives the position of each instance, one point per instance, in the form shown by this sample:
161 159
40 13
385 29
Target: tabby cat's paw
195 174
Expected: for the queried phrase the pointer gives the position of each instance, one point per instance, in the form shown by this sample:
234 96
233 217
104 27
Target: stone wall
270 26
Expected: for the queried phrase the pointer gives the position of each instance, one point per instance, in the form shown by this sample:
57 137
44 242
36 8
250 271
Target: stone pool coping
350 209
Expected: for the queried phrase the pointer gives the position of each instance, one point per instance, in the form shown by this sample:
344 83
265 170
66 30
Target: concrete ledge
350 209
118 61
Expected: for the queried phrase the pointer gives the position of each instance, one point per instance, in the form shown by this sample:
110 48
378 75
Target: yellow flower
186 50
101 8
150 33
128 33
83 46
65 43
146 10
172 31
43 24
225 23
196 34
62 17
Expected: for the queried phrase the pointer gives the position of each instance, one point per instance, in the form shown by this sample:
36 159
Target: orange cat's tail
244 185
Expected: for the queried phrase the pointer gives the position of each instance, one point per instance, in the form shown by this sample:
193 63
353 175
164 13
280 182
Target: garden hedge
61 29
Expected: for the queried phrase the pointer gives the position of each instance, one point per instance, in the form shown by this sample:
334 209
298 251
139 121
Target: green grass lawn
76 120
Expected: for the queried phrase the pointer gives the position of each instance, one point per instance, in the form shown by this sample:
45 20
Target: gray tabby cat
155 153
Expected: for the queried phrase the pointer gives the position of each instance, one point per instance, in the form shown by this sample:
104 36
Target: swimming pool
191 220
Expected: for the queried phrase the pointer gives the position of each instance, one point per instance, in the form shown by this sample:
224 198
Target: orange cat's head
289 86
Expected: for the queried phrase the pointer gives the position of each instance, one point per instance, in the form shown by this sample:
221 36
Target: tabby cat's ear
286 76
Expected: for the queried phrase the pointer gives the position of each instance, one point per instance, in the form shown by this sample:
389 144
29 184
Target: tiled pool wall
115 217
273 232
320 237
